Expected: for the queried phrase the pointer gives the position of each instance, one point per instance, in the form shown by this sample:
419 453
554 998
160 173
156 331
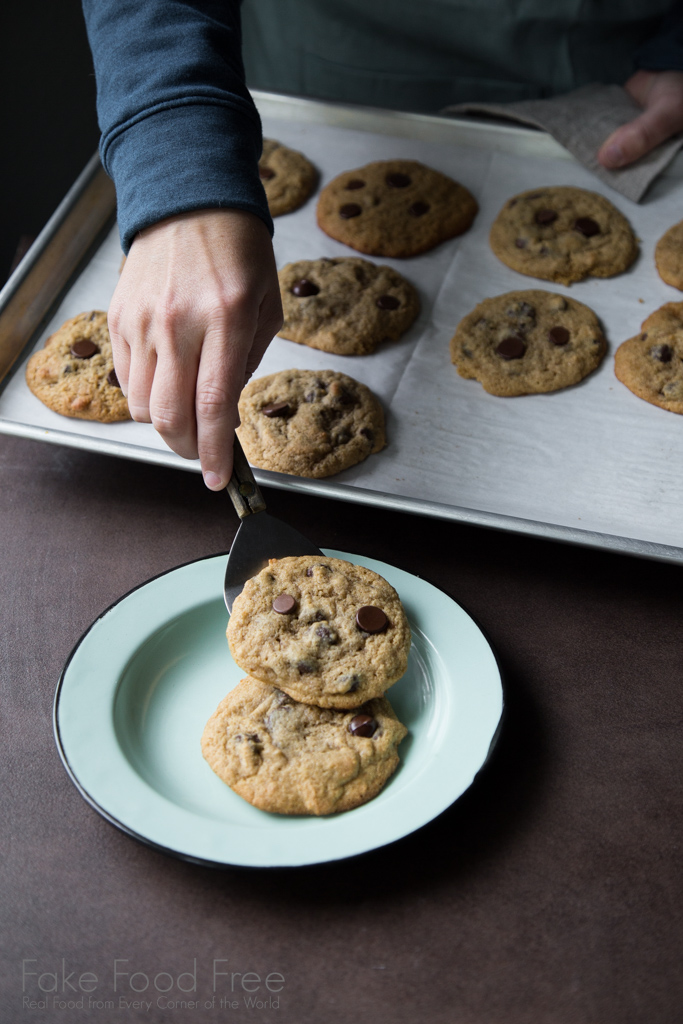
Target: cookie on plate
292 758
309 422
528 342
563 234
669 256
651 363
325 631
287 177
395 208
74 373
346 305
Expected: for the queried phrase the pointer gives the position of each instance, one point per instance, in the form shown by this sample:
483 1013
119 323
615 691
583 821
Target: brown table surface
551 892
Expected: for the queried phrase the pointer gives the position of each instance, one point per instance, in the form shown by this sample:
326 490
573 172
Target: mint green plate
138 688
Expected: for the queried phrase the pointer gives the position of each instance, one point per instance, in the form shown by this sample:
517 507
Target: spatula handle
243 490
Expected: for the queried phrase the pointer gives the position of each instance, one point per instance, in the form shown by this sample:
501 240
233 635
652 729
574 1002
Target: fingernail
212 481
614 155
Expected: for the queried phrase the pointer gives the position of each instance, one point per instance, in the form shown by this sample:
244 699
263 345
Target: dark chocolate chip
511 347
343 437
388 302
397 180
513 202
362 725
276 409
367 433
525 309
84 349
305 668
354 184
284 604
545 216
349 210
303 288
586 226
418 209
643 337
558 335
319 616
266 173
520 243
325 633
113 379
309 571
371 619
663 353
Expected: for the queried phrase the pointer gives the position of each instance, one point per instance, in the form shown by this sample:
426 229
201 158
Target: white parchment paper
593 457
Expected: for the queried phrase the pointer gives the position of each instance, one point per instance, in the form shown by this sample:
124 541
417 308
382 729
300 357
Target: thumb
640 136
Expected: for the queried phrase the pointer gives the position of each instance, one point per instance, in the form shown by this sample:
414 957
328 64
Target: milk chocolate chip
276 409
84 349
511 348
349 210
303 288
113 379
362 725
371 619
284 604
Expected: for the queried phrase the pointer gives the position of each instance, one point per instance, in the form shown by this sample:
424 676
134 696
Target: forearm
179 129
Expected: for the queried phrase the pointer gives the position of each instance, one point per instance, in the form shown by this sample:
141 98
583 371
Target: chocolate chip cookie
669 256
564 235
291 758
325 631
651 363
287 177
309 422
347 305
74 373
528 342
396 208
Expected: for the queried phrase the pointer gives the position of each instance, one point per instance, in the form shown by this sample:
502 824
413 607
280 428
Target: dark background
48 121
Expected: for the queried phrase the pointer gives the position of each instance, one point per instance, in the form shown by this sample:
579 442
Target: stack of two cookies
309 731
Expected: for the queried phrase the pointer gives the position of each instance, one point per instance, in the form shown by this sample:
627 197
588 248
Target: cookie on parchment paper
563 234
324 630
287 177
395 208
528 342
669 256
74 373
346 305
291 758
311 423
651 363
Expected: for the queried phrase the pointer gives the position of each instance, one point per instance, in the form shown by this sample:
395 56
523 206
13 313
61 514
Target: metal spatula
260 536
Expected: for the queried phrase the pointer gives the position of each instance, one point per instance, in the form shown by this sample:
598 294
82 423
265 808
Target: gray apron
422 55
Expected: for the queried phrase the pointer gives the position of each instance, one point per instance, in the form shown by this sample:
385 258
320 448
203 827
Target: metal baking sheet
592 465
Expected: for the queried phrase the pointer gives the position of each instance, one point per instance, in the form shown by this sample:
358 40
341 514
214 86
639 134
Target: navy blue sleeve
664 51
180 131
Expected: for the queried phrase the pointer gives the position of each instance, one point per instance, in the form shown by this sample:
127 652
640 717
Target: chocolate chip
113 379
362 725
319 616
320 392
543 251
511 348
309 571
354 184
284 604
526 309
418 209
397 180
558 335
266 173
367 433
343 437
371 619
545 216
643 337
305 668
513 202
536 195
325 633
586 226
520 243
303 288
663 353
84 349
388 302
349 210
276 409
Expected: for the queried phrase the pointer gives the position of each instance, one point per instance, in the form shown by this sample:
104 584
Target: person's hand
194 310
660 94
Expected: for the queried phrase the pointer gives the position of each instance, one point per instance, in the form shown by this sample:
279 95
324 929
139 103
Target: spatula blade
260 537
